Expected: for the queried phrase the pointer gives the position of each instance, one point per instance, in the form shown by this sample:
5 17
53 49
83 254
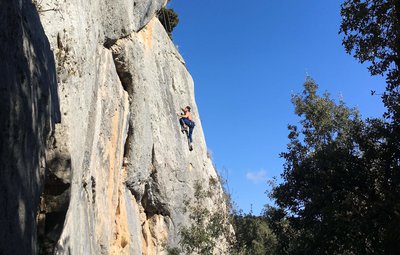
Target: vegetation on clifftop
169 19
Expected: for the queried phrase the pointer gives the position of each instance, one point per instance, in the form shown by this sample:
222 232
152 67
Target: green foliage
324 121
372 34
172 251
208 227
286 236
341 185
341 181
253 235
169 19
250 235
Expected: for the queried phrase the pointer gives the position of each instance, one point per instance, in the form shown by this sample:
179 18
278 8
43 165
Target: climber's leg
183 124
190 134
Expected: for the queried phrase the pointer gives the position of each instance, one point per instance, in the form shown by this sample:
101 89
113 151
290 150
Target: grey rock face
162 171
121 17
28 112
96 21
96 162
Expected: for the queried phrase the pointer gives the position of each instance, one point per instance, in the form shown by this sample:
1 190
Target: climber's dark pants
190 124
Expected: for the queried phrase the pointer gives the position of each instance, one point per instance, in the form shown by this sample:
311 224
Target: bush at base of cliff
241 234
209 229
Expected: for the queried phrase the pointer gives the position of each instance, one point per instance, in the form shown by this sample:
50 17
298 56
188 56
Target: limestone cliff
102 144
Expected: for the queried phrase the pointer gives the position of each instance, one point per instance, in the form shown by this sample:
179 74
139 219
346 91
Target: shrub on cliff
169 19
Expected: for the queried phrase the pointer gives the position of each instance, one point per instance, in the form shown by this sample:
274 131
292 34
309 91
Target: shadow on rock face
29 109
54 200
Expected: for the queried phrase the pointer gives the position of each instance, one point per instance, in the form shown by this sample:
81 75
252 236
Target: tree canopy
371 30
253 235
340 192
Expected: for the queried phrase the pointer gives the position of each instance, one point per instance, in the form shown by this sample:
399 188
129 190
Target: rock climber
186 120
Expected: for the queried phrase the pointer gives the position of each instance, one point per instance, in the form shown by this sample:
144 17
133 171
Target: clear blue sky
247 58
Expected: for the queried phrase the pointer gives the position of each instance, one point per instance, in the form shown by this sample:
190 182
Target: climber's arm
186 115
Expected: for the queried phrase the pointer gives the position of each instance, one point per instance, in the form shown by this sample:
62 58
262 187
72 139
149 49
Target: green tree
253 235
339 195
371 31
286 236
